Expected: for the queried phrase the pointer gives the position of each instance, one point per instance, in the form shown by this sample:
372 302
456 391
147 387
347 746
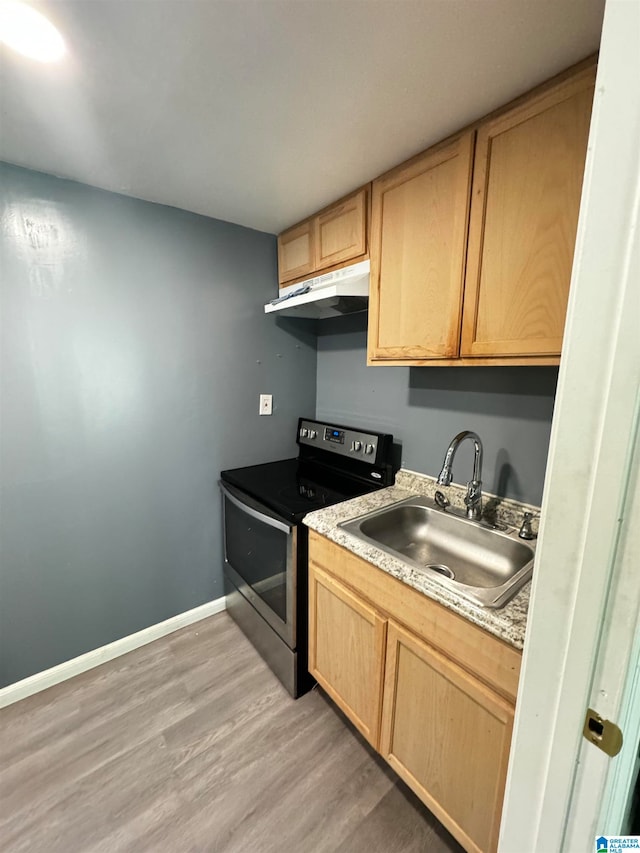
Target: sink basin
484 565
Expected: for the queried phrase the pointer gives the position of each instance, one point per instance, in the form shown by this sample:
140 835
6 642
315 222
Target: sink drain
442 570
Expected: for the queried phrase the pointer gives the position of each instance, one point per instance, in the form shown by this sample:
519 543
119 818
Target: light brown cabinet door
341 233
448 736
419 218
527 183
330 239
296 251
346 651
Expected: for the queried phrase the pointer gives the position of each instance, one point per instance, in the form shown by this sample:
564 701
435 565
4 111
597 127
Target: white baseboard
41 680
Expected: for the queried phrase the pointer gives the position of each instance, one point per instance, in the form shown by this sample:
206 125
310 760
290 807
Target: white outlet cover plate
266 403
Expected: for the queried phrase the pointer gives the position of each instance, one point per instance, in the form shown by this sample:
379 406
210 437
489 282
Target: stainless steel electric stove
265 541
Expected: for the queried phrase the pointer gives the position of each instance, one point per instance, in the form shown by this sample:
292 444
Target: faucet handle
525 529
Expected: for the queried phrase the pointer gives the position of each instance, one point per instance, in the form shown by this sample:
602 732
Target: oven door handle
243 504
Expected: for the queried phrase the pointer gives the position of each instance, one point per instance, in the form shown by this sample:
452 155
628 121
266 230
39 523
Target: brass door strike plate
602 733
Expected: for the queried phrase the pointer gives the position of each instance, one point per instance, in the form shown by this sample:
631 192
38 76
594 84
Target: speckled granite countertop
508 623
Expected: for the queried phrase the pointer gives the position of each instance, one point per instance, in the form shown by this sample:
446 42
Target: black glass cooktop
292 488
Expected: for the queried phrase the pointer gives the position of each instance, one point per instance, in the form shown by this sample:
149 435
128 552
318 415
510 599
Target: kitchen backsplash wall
509 407
134 348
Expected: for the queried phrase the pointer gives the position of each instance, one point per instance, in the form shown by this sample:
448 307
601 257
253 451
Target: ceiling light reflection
24 29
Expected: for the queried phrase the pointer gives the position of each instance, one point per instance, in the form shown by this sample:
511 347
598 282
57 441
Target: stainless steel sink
484 565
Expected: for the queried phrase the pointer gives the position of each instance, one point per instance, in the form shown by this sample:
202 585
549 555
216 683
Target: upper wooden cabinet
509 305
296 252
527 183
419 215
336 235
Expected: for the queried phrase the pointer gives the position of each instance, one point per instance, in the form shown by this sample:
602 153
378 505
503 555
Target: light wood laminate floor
191 744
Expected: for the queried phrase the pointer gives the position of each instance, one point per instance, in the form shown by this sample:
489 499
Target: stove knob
312 433
369 448
356 446
311 493
304 432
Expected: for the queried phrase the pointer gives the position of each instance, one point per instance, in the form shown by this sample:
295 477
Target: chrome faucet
473 498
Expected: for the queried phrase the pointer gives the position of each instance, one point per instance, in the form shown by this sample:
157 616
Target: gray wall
424 407
133 351
134 347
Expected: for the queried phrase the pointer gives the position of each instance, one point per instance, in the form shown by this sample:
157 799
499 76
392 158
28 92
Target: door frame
591 474
616 799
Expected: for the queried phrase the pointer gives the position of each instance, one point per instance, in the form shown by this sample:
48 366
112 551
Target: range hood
344 291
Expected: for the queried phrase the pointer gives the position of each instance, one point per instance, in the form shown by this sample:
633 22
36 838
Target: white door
581 634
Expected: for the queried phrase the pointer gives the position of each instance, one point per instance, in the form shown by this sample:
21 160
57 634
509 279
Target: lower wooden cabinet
442 723
447 736
346 651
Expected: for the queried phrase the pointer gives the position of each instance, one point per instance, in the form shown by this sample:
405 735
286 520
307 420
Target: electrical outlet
266 402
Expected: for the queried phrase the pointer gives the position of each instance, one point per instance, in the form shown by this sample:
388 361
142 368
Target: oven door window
260 549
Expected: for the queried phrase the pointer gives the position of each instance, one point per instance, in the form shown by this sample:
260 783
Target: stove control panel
341 440
336 436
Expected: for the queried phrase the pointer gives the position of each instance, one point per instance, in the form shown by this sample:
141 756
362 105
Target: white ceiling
262 111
